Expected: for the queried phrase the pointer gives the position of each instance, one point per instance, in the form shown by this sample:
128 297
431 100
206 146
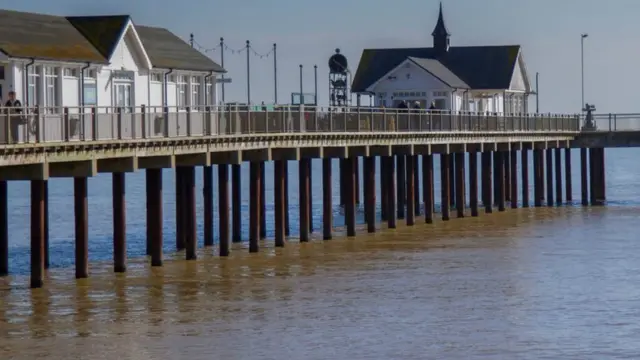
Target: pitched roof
103 32
46 37
480 67
167 51
92 39
435 68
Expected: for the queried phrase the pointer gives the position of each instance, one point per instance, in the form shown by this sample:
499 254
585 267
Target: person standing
12 112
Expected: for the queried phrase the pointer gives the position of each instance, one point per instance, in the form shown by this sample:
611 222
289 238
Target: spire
441 34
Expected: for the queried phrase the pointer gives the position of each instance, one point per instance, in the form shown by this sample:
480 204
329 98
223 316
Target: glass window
90 94
195 91
70 72
51 89
156 77
182 92
123 96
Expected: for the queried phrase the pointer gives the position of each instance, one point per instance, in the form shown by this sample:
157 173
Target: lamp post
582 37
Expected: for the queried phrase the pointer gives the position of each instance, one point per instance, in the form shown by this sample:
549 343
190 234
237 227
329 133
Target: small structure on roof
56 61
458 78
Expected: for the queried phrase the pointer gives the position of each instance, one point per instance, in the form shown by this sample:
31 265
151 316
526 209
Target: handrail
73 124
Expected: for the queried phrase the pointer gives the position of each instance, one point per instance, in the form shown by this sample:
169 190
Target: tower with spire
440 35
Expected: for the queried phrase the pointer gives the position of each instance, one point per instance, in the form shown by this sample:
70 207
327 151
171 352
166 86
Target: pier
486 154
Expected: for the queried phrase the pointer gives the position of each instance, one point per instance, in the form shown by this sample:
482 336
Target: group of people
416 105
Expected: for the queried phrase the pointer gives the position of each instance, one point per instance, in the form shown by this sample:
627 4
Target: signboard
223 81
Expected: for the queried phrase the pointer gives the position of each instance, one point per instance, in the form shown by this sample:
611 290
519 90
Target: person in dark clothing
416 105
12 111
433 106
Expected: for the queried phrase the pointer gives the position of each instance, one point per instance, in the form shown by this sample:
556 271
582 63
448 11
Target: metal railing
611 123
41 125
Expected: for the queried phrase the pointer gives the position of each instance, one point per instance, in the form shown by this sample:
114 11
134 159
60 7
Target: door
123 96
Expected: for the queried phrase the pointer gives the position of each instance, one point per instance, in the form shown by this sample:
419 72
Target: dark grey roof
168 51
46 37
435 68
480 67
103 32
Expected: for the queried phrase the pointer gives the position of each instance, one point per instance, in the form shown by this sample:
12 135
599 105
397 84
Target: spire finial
441 34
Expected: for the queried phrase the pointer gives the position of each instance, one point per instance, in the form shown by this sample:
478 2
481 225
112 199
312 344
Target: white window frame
155 77
196 93
33 86
70 72
51 92
182 91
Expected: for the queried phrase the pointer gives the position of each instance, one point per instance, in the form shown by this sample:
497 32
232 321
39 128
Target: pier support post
473 183
513 179
401 194
119 223
558 174
154 214
350 187
384 205
223 209
357 179
602 179
597 176
181 208
452 180
427 187
524 172
189 225
37 233
506 160
46 225
278 200
460 185
538 177
254 205
310 172
327 199
263 202
487 196
390 173
148 191
303 188
410 178
4 230
445 183
82 226
416 181
499 157
584 180
207 194
567 174
549 163
342 174
369 167
287 226
236 203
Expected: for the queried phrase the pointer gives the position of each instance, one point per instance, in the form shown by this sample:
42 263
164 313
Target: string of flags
232 50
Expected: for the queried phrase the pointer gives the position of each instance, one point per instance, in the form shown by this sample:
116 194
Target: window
440 94
33 91
122 93
182 92
70 72
90 74
90 93
155 77
51 89
195 91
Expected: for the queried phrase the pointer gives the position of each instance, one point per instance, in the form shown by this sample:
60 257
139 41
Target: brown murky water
527 284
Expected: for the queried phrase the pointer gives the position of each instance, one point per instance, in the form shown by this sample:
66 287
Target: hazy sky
307 32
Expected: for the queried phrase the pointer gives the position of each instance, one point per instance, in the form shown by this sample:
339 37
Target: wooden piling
384 204
236 203
390 172
287 226
369 168
416 181
4 229
254 205
460 184
207 194
487 183
189 225
154 214
327 199
303 188
584 180
513 179
47 259
567 174
278 200
410 190
499 157
549 166
81 226
473 183
180 208
263 202
524 173
223 209
401 190
37 233
427 187
350 200
119 223
558 174
445 185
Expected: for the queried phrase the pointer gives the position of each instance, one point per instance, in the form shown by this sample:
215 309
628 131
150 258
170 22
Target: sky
308 32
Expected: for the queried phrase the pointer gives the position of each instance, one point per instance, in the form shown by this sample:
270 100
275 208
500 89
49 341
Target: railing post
143 120
65 125
36 119
188 109
119 122
94 123
207 121
165 113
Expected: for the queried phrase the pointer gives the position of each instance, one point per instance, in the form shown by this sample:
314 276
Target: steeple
440 35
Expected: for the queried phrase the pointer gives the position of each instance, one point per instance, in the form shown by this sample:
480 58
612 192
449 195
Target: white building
463 78
105 61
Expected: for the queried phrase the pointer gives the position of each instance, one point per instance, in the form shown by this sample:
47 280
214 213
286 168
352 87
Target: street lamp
582 37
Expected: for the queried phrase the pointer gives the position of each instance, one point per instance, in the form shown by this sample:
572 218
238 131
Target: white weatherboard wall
408 77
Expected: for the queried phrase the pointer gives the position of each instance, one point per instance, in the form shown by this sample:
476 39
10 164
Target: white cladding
127 81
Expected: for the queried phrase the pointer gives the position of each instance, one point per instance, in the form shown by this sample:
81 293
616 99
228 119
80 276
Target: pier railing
611 122
39 124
